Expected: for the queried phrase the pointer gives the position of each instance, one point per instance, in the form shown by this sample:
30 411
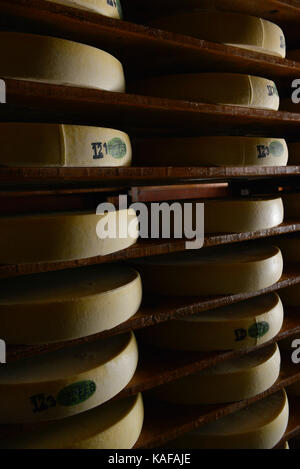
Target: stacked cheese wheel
233 29
241 325
212 271
110 8
65 236
63 145
66 305
58 61
234 380
211 151
215 88
259 426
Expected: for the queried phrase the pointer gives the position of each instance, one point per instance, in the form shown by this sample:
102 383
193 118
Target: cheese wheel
63 145
114 425
294 151
58 61
67 305
110 8
246 32
286 445
292 204
230 381
64 236
211 151
259 426
241 325
212 271
242 215
66 382
214 88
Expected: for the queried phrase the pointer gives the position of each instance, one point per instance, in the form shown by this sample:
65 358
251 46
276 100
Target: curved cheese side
67 382
58 61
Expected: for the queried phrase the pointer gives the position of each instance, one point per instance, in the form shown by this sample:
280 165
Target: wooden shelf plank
134 43
156 310
145 248
69 104
165 422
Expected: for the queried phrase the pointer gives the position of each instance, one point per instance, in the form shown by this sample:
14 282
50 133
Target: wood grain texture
137 45
156 310
145 248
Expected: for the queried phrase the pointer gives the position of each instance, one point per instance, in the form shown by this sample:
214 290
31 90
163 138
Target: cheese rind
110 8
66 382
65 236
58 61
67 305
114 425
212 271
246 32
259 426
214 88
241 325
211 151
230 381
63 145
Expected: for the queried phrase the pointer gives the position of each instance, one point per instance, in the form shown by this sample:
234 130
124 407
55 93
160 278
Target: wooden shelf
134 44
145 248
28 100
156 310
165 422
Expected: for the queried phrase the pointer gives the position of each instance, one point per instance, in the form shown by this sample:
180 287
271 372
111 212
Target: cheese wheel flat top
211 151
58 61
258 426
229 381
214 88
65 236
110 8
63 145
68 381
247 32
114 425
246 324
67 305
212 271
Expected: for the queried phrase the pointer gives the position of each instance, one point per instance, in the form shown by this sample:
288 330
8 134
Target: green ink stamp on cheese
258 330
276 148
117 148
76 393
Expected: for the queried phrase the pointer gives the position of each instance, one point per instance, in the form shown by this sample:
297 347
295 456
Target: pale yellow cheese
114 425
246 32
66 382
110 8
286 445
211 151
241 325
52 60
63 145
212 271
67 305
64 236
230 381
214 88
259 426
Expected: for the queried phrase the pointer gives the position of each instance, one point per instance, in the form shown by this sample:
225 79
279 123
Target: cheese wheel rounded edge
67 305
66 382
47 145
246 324
58 61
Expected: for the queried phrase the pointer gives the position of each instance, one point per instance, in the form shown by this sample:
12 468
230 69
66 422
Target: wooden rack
147 116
